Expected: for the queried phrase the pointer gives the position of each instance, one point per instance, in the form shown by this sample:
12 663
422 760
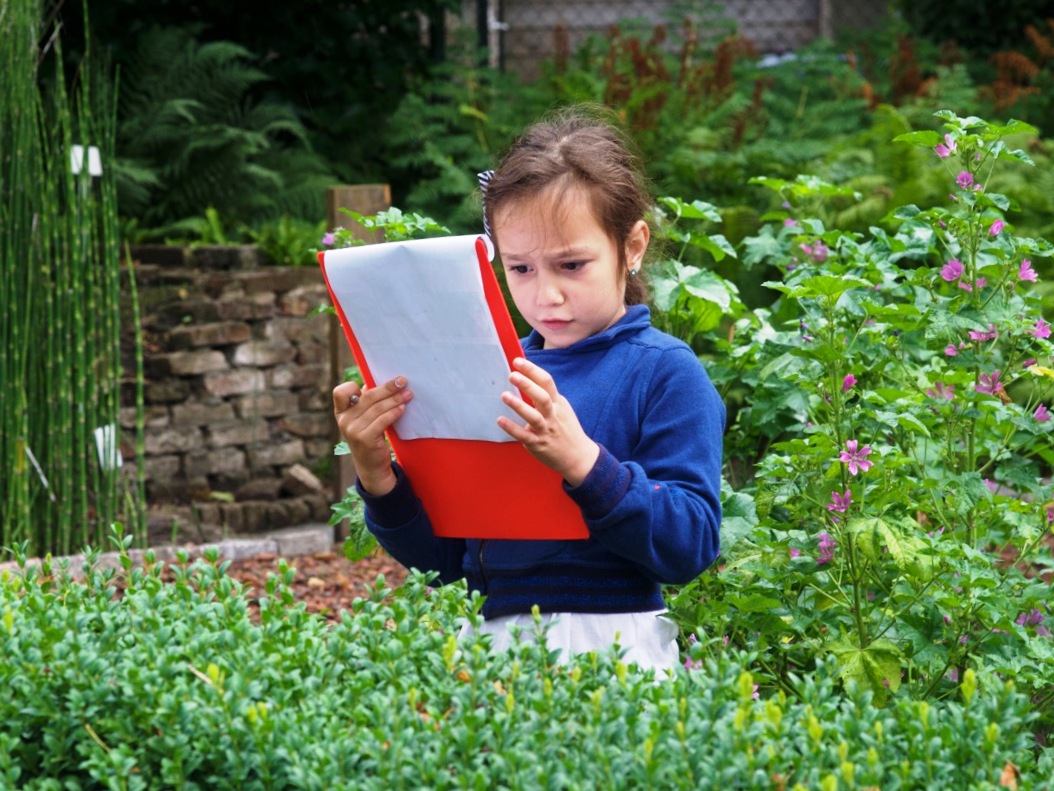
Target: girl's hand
363 415
552 432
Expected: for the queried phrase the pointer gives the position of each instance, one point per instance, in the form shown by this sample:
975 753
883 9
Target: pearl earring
633 272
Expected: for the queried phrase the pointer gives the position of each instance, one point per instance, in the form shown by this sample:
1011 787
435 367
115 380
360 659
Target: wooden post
366 199
825 26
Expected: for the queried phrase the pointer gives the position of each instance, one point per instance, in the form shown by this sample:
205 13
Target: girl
625 413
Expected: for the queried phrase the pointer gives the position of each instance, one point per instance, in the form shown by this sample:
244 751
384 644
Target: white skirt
648 639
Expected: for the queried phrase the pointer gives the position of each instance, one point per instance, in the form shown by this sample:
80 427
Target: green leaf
820 286
912 423
696 210
925 139
717 245
739 516
1013 127
874 536
473 112
877 667
762 248
755 603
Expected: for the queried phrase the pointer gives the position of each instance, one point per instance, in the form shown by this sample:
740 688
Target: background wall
239 431
524 32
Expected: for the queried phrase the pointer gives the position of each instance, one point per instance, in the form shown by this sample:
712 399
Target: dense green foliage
891 447
977 28
876 328
889 504
178 685
708 116
60 323
192 136
356 93
338 67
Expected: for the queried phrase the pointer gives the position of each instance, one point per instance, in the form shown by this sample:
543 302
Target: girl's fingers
539 395
364 415
345 396
535 374
530 414
350 396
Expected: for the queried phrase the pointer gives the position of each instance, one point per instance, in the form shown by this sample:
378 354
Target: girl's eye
573 266
519 270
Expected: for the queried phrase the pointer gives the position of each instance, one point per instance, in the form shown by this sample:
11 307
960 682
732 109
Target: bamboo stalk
60 286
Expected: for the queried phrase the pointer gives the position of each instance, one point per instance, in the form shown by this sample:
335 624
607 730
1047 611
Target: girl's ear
637 244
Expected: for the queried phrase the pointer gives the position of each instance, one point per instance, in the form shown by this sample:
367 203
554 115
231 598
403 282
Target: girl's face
562 267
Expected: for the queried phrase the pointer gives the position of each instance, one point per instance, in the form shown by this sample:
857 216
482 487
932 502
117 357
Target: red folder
474 488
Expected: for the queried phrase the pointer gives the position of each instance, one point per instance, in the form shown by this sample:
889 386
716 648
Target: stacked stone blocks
238 419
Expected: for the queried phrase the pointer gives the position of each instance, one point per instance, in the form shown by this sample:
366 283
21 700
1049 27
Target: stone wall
238 426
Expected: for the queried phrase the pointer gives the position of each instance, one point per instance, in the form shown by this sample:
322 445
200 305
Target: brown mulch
326 582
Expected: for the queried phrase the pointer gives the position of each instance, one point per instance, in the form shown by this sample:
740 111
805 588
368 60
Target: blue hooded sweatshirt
651 502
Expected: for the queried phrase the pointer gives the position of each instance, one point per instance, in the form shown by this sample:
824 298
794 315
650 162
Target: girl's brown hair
578 146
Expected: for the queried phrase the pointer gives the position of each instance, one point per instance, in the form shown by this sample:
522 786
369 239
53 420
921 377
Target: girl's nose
549 291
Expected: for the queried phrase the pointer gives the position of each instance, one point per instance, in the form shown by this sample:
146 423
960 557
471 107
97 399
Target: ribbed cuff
395 508
604 487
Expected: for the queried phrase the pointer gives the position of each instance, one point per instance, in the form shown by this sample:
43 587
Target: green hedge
127 681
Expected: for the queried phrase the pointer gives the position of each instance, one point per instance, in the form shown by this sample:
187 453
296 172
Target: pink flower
1026 272
978 335
328 239
951 349
952 270
1041 330
856 459
840 502
996 227
947 148
989 383
826 546
789 222
817 252
1042 414
848 382
941 390
689 663
964 180
1034 618
793 552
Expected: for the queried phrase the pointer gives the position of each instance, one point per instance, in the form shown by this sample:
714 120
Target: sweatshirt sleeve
399 522
661 509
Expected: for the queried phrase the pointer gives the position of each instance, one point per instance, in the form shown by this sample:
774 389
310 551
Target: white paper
77 160
418 310
106 446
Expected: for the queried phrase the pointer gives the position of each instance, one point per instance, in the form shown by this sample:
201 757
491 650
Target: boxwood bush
169 677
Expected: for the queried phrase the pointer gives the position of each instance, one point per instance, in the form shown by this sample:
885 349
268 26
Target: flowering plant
898 407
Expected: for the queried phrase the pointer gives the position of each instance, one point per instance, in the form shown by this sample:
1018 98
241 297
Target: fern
449 128
192 134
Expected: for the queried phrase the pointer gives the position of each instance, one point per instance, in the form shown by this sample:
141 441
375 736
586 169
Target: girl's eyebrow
570 252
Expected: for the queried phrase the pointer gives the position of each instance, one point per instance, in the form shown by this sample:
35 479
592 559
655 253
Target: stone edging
291 542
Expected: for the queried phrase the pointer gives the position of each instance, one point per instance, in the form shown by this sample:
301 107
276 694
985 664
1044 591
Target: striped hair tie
484 182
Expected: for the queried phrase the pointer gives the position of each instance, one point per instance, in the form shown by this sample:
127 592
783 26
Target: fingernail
400 381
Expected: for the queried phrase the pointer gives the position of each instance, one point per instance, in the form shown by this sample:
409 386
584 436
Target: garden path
326 582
